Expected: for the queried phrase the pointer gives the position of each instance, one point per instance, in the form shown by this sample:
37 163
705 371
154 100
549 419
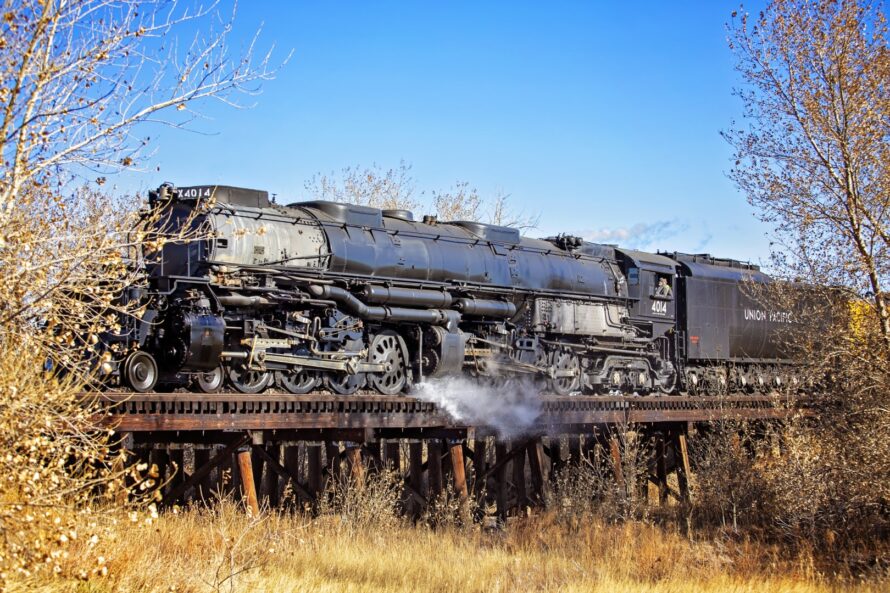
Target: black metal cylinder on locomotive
384 295
194 342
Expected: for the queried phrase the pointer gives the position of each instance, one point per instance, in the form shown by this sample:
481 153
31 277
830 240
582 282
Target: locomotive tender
324 295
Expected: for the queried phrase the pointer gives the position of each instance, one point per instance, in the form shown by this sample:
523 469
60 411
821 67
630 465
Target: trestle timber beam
521 499
661 467
356 465
683 470
365 418
304 440
392 455
499 469
458 469
617 462
415 477
276 468
315 470
202 471
510 482
535 450
480 466
434 467
245 465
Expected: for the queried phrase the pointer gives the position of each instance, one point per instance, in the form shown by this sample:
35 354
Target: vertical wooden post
555 444
501 477
535 451
142 455
434 467
177 468
661 468
203 489
246 469
415 476
682 454
234 485
292 465
445 461
373 456
392 456
257 463
480 464
589 447
519 478
356 465
161 459
332 450
640 478
458 470
575 450
314 467
617 470
270 476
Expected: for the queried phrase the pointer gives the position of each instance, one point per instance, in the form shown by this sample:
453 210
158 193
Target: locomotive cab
652 306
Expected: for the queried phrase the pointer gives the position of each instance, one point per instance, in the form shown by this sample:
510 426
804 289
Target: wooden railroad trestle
262 448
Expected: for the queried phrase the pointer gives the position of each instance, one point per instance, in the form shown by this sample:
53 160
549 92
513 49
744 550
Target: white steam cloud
510 406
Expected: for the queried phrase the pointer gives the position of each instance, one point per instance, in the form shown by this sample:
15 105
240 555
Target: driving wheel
386 350
565 362
298 381
248 381
343 383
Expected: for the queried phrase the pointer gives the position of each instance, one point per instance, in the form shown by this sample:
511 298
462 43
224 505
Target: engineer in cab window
664 289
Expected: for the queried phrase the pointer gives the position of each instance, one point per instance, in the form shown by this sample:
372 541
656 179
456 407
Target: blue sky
602 118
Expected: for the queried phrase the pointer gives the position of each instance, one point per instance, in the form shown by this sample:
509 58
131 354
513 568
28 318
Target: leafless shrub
450 510
369 186
233 541
730 489
395 188
594 488
375 504
578 490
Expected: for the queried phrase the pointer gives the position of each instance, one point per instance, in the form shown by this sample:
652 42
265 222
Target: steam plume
510 406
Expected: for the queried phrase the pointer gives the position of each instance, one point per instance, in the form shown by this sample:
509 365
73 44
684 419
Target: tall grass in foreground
224 549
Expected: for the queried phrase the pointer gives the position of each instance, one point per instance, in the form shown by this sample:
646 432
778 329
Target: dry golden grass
225 550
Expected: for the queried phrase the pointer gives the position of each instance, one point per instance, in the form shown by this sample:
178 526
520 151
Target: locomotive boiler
324 295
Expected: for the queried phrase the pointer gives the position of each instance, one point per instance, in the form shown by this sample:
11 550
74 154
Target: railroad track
137 412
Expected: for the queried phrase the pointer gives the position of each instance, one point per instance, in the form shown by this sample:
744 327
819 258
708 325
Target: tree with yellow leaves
814 152
78 80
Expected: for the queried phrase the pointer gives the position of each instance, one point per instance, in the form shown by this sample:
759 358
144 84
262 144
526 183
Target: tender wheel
343 384
247 381
386 350
563 361
209 382
140 371
297 382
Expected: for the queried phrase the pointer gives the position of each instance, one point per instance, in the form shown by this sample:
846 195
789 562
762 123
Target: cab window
633 276
663 287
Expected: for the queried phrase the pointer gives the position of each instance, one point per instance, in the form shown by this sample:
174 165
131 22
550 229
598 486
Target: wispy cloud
638 236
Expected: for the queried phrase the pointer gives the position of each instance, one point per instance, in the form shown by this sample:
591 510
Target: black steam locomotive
323 295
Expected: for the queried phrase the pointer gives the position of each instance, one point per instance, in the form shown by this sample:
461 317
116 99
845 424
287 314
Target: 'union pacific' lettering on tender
771 316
